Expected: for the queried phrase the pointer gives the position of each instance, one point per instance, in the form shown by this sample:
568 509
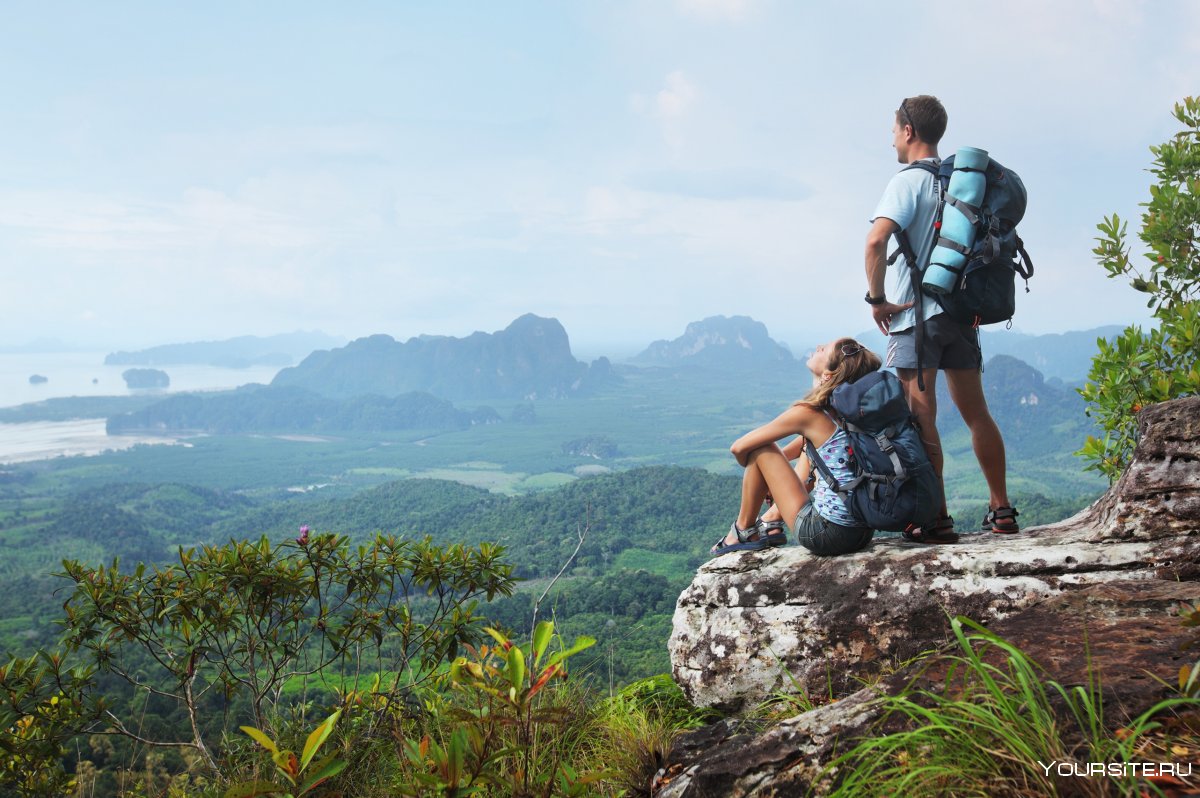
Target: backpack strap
884 441
841 491
914 274
966 209
822 467
928 166
904 247
1025 264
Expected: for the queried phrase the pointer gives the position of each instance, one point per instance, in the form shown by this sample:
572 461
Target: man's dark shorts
948 345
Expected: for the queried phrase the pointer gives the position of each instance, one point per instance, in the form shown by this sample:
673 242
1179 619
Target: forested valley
590 513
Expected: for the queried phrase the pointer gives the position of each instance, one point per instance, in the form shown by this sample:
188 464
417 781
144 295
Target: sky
196 171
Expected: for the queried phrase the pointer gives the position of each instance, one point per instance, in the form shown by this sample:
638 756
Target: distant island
38 379
241 352
146 378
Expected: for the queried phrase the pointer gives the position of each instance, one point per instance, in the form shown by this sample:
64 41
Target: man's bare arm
877 241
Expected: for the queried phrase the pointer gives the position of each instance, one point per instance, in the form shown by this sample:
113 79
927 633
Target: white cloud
74 220
670 107
674 99
90 223
606 208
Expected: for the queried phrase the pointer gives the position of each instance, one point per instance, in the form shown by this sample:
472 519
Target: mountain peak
530 358
727 341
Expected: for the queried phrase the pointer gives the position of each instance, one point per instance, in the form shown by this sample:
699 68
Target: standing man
910 204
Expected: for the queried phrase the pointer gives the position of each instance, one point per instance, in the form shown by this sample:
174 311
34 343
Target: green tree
220 635
1139 367
41 707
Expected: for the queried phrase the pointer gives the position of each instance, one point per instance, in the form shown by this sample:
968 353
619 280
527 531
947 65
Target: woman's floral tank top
836 454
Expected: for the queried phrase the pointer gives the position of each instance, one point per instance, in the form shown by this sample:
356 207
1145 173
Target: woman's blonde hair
848 361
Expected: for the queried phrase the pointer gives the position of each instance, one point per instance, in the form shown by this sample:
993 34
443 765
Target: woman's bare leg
767 469
754 493
781 479
773 513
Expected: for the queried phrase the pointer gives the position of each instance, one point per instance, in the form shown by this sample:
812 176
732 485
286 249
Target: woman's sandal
1002 521
744 543
775 532
939 531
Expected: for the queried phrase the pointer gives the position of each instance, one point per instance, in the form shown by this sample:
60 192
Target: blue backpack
985 291
895 487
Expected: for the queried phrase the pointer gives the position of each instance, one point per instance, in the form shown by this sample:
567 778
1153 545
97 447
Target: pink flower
303 535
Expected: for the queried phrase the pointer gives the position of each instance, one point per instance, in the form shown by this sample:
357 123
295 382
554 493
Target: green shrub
294 775
41 707
1140 368
510 732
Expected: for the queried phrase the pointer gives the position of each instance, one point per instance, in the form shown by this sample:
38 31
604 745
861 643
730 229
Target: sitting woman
822 523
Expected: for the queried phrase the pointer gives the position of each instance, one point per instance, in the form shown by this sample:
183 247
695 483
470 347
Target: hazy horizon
183 173
586 350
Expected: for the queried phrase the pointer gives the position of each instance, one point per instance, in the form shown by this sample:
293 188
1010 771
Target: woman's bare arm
793 421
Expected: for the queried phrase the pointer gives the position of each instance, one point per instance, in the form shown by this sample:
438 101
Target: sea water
84 374
43 440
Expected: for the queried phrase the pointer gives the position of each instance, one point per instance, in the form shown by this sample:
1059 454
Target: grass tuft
997 727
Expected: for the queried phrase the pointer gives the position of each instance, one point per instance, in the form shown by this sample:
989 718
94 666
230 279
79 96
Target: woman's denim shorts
824 537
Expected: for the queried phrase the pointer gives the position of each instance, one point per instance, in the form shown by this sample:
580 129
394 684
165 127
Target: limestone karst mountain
529 359
719 341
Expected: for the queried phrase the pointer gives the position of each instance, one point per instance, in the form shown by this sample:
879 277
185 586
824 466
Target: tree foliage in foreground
241 632
1141 368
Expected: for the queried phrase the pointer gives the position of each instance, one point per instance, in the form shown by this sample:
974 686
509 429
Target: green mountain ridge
529 359
267 409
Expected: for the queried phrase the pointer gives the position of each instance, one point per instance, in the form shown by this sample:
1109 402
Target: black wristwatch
875 300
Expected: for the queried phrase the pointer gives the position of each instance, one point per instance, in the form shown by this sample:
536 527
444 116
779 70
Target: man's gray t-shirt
910 200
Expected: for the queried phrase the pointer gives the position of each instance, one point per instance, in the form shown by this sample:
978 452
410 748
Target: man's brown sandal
1002 521
939 531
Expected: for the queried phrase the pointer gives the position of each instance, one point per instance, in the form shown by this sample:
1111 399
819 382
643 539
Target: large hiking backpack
894 487
985 291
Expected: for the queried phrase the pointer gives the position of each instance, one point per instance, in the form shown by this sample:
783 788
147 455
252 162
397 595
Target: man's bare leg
966 389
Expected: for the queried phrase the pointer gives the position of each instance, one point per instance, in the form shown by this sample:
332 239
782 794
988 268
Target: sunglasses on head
907 120
851 349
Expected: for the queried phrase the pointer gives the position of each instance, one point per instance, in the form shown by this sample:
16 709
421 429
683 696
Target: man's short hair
926 115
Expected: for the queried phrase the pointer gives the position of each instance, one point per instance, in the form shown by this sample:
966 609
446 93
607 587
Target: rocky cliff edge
752 624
